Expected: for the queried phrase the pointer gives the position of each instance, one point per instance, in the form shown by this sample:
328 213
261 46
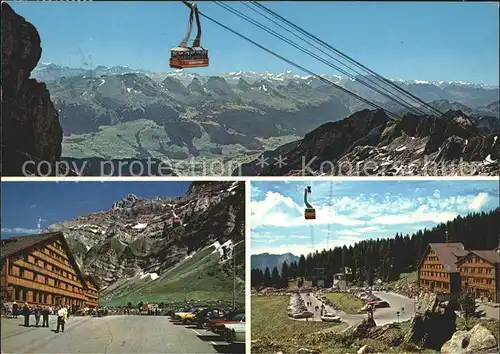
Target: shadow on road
192 327
209 337
230 349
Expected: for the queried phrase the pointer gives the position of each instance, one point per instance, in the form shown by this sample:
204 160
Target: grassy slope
120 142
347 302
196 279
274 331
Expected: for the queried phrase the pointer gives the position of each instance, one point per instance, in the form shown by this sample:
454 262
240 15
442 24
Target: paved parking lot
111 334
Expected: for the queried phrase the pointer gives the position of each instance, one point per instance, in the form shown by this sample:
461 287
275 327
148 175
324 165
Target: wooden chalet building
92 291
450 269
438 270
40 269
480 273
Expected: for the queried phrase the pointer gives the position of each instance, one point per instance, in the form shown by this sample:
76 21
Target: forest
387 258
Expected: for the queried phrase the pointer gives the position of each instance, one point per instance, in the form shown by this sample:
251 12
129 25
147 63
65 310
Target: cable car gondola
309 212
176 221
182 57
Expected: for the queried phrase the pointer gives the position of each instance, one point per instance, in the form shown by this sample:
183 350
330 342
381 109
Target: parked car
178 316
204 316
190 318
219 327
209 325
382 304
330 317
234 333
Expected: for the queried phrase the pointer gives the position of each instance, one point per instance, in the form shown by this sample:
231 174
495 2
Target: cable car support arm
194 10
184 42
307 191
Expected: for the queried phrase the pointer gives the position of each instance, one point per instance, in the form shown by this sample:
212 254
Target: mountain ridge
278 76
267 260
137 236
122 114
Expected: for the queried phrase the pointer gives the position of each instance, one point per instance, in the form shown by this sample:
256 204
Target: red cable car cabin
190 57
181 58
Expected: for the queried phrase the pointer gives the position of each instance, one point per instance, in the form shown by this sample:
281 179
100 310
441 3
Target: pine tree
388 258
275 278
267 277
285 274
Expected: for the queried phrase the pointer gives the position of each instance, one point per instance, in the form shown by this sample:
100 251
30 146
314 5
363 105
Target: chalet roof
490 255
448 254
16 244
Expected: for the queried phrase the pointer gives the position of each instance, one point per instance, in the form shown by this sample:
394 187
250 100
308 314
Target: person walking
26 312
15 309
45 316
62 316
37 312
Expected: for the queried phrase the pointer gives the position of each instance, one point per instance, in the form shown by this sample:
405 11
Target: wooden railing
53 261
58 251
41 287
44 271
434 278
478 275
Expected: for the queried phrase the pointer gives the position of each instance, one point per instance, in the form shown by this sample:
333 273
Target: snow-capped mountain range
50 71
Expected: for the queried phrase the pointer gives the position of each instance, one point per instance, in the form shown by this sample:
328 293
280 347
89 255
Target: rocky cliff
138 236
30 123
371 143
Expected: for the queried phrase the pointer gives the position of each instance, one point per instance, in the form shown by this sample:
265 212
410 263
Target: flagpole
234 277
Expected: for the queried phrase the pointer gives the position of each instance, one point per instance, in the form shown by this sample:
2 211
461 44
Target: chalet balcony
41 287
44 271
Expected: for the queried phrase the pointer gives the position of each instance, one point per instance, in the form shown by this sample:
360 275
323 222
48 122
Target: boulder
479 340
433 324
364 349
307 351
360 330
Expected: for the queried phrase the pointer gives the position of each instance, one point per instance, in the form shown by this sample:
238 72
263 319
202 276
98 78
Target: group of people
39 312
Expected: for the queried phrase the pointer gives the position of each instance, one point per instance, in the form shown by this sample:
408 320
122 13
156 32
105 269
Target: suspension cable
391 96
300 67
354 62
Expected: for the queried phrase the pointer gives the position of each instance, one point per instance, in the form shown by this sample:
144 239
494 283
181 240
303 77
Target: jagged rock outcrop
138 235
479 340
370 143
433 324
361 329
30 123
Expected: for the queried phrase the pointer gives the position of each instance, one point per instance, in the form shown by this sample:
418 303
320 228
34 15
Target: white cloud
278 210
32 206
419 216
20 230
281 211
480 200
369 229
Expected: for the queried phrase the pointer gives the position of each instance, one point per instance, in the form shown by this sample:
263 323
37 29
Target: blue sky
23 203
357 210
451 41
